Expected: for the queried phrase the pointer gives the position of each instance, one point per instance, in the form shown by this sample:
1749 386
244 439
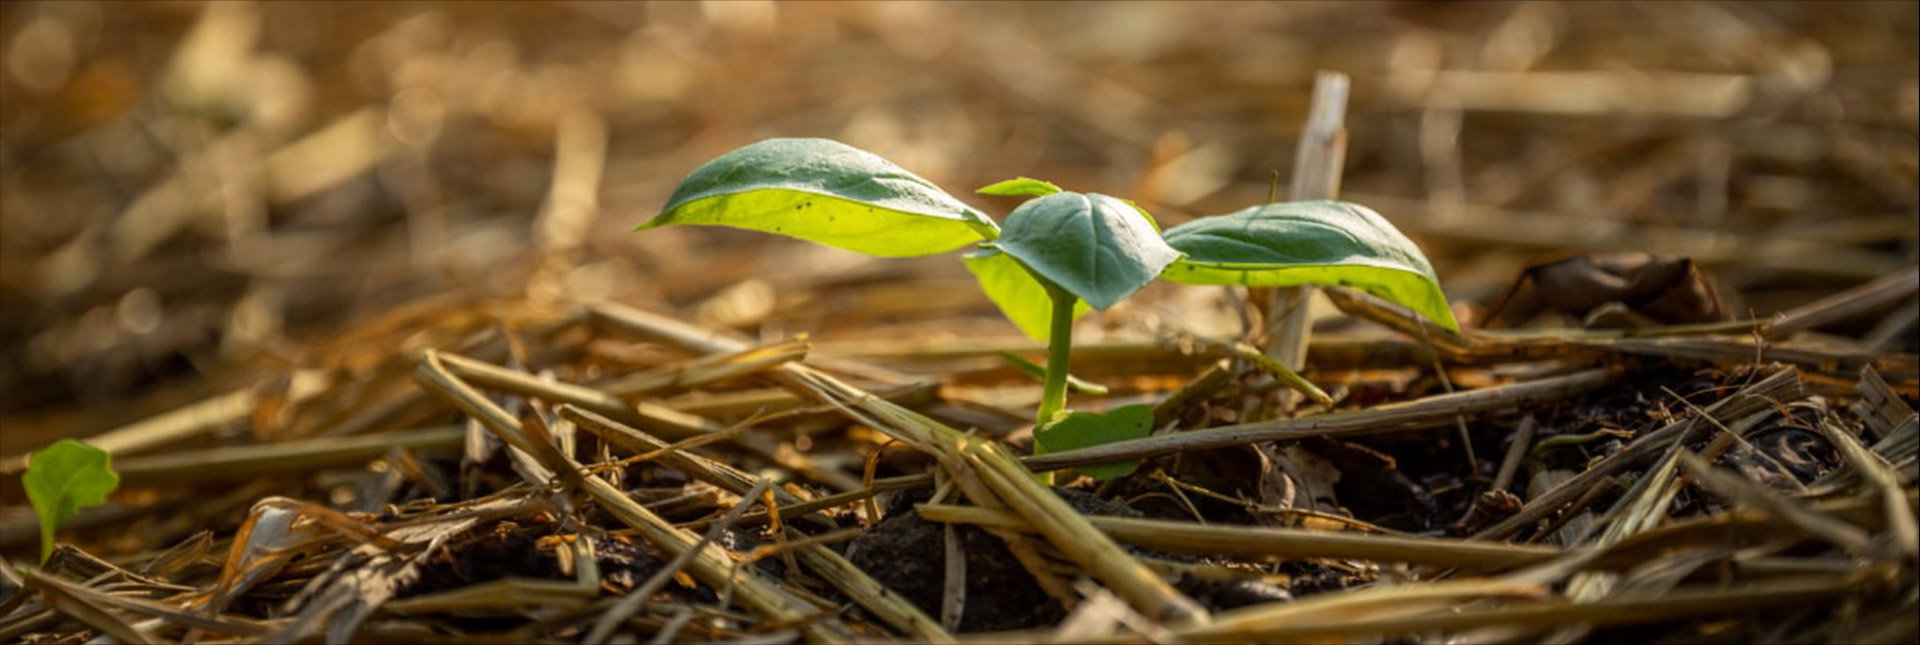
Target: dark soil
507 549
908 554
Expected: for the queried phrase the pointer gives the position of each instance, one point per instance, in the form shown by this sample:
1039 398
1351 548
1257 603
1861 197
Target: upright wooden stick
1317 163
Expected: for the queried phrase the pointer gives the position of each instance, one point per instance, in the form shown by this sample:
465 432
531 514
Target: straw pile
348 293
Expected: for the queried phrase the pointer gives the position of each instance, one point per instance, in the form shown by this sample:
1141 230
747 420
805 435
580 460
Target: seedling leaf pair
64 478
1060 254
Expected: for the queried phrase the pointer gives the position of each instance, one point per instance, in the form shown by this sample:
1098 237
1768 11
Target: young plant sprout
63 479
1056 255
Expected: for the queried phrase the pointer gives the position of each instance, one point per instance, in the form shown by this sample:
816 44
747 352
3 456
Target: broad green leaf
827 192
1096 247
1020 297
1320 242
1020 187
64 478
1144 214
1081 429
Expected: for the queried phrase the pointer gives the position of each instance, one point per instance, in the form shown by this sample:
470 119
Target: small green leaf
1020 297
1096 247
64 478
1082 429
1320 242
1020 187
827 192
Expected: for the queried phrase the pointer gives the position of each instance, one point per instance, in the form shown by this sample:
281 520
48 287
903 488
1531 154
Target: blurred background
192 193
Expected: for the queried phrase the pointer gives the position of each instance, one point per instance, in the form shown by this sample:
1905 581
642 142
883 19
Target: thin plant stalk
1053 396
1053 392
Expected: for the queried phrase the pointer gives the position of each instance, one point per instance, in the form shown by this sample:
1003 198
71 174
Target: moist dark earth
908 554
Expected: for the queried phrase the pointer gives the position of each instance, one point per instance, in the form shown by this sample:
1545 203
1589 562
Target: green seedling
1055 256
64 478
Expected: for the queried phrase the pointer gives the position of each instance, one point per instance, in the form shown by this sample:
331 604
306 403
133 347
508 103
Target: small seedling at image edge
62 479
1055 256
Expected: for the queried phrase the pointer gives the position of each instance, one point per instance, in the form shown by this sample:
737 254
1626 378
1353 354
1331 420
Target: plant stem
1053 392
1053 395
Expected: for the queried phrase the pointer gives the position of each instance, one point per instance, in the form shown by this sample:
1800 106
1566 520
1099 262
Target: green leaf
827 192
1020 297
1098 248
1082 429
1144 214
1020 187
1320 242
64 478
